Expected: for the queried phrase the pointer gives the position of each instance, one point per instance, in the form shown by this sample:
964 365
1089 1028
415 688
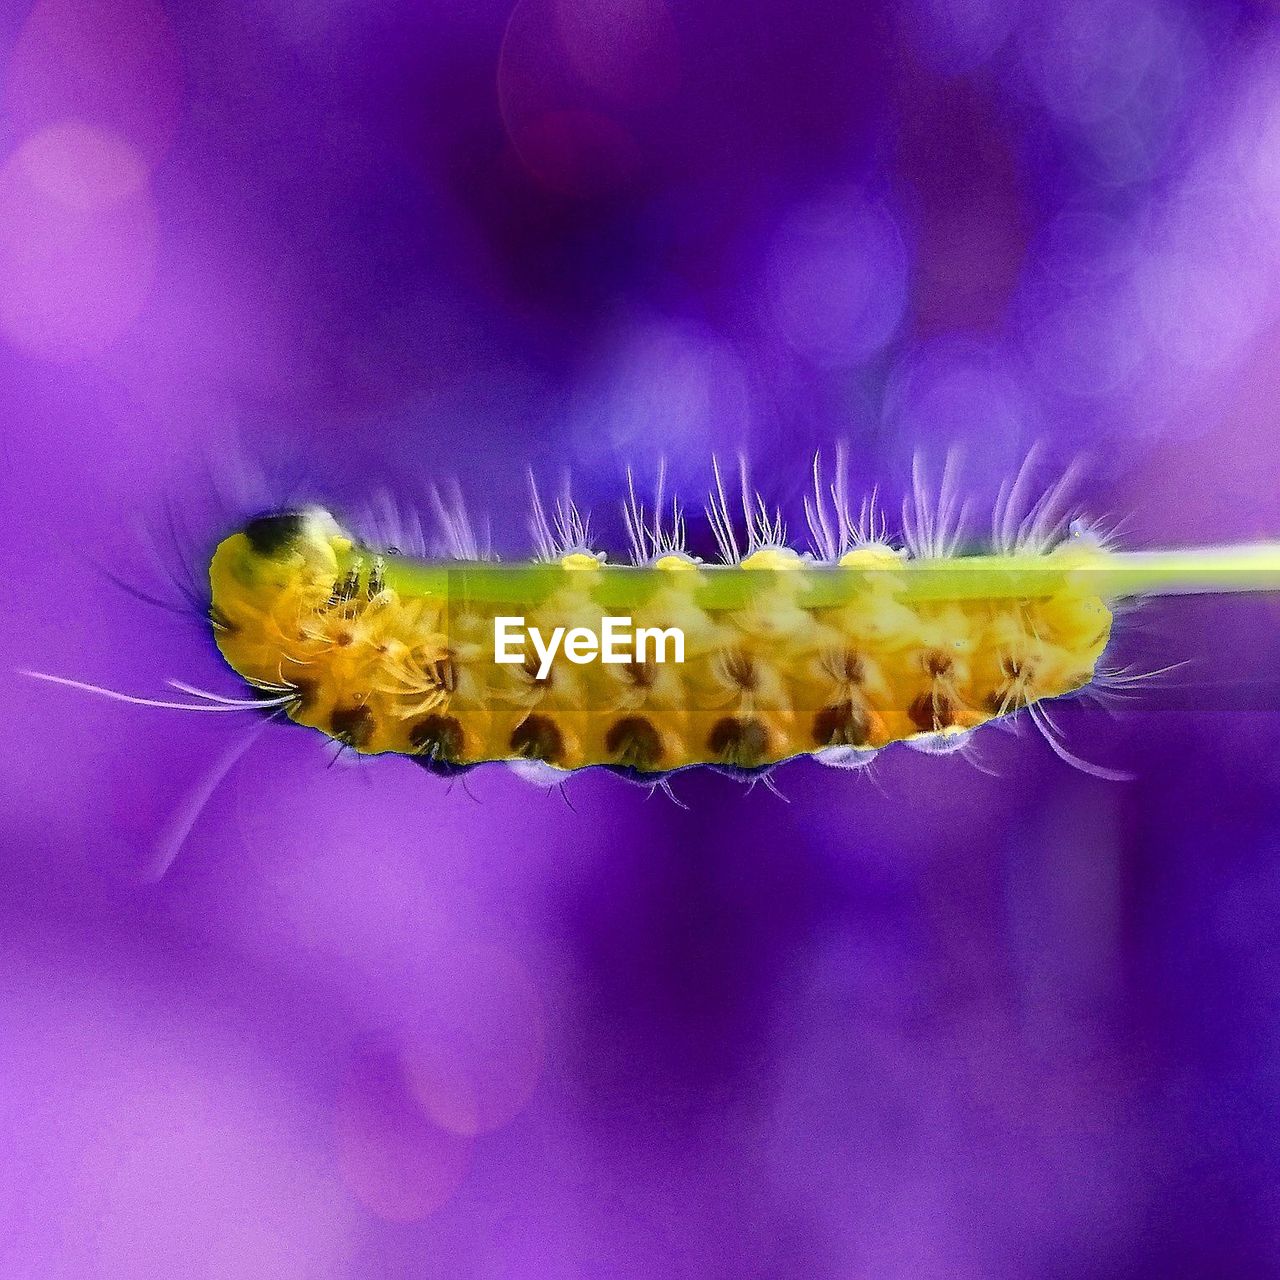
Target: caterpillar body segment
783 655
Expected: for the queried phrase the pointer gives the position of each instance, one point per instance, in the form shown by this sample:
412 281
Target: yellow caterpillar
835 653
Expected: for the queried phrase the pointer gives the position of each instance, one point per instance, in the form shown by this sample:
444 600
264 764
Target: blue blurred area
947 1020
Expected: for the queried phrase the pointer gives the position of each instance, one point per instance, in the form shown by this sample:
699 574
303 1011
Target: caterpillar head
277 570
287 541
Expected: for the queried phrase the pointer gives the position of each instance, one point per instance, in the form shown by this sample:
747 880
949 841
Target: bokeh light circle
571 138
77 241
474 1060
626 50
114 64
837 279
395 1162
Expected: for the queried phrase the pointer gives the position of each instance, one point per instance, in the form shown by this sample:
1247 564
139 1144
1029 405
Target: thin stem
1110 576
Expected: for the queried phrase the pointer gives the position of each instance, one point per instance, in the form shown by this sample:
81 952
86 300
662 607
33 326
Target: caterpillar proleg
835 650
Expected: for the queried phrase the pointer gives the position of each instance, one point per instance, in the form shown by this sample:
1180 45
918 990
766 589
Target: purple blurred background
936 1022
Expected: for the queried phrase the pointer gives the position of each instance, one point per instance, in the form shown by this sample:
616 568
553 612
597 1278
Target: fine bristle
651 541
763 529
836 530
933 524
565 531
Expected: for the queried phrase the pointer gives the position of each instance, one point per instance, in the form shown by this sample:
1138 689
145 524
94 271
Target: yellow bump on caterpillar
833 652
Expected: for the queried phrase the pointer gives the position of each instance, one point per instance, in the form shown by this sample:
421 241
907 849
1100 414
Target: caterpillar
834 650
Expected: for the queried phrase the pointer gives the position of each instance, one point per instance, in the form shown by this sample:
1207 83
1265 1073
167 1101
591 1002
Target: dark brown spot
937 662
634 741
930 711
740 669
841 725
1015 667
641 674
439 737
741 742
305 691
343 639
352 725
530 669
538 738
849 667
444 671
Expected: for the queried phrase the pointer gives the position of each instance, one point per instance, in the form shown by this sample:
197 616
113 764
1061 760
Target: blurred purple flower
270 1014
